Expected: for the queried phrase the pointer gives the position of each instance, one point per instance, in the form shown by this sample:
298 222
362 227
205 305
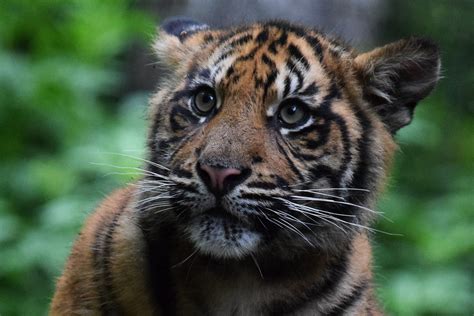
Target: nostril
208 176
233 180
221 180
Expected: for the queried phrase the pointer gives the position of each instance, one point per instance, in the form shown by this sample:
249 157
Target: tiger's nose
220 180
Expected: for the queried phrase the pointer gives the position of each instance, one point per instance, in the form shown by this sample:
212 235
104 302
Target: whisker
373 230
293 229
139 159
323 194
315 213
315 210
185 259
256 263
290 217
307 198
147 172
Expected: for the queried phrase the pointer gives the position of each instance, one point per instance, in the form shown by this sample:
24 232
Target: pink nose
219 178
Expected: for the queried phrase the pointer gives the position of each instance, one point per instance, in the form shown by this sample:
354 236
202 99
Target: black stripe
258 82
230 71
182 173
257 197
286 91
283 25
316 46
257 159
182 143
159 242
262 185
283 39
262 37
267 61
300 32
325 172
183 113
289 161
349 300
250 55
294 70
208 38
187 187
180 95
295 53
324 288
282 183
334 93
153 143
347 145
204 74
270 80
102 251
310 90
240 41
221 59
322 134
279 42
364 175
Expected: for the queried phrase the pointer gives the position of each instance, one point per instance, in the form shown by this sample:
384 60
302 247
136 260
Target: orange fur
136 254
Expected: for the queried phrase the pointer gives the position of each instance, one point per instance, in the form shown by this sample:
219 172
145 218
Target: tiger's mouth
219 211
219 233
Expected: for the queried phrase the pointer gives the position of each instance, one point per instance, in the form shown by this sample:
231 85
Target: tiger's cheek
351 134
277 165
187 152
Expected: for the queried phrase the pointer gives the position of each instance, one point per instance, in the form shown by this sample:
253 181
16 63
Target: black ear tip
178 25
425 44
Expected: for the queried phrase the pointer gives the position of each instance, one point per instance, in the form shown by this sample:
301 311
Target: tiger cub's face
272 138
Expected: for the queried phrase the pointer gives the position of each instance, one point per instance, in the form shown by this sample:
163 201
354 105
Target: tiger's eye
293 112
204 100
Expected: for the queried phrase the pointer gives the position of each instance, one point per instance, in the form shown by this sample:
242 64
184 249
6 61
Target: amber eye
293 112
204 100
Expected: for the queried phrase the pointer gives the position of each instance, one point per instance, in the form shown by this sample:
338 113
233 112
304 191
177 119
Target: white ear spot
180 27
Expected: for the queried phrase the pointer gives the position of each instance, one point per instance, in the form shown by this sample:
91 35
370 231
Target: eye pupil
292 112
204 101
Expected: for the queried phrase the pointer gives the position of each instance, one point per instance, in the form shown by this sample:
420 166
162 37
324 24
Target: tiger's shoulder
108 253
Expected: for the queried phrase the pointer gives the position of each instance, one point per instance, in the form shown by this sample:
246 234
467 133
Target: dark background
74 81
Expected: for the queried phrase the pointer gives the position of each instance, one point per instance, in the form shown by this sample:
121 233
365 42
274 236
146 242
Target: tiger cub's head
273 138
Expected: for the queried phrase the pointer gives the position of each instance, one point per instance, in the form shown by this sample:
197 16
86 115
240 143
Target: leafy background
69 118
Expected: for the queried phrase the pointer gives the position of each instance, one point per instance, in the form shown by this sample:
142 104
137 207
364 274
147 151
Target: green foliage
59 65
429 269
63 126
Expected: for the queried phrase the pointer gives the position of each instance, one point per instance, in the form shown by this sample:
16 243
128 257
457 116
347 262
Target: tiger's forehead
269 60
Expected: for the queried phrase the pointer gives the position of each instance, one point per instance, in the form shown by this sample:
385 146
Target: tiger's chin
222 236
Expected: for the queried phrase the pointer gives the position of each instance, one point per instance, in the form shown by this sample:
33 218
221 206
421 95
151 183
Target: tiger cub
267 147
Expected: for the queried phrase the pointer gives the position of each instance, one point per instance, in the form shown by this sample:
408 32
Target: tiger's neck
185 282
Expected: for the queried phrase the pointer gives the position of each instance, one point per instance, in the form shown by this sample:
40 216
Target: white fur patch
209 236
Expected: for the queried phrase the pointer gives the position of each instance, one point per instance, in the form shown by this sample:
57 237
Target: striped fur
292 237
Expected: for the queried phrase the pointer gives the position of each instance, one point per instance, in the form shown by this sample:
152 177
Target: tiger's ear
176 40
396 76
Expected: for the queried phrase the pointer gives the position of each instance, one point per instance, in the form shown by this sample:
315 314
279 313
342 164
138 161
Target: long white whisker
185 259
148 172
293 229
139 159
155 198
307 198
257 265
315 210
315 213
328 216
290 217
323 194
